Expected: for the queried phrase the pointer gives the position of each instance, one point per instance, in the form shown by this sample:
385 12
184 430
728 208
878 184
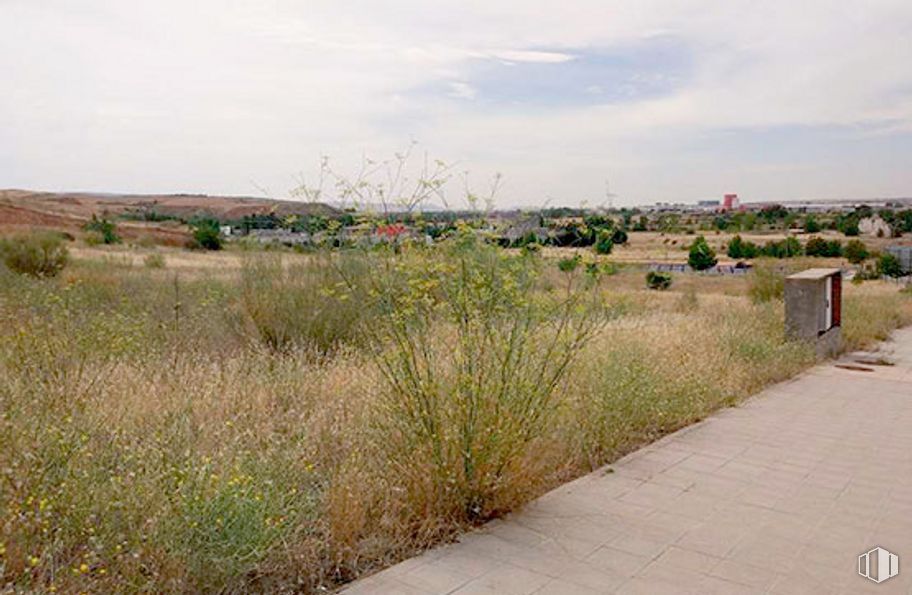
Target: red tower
730 202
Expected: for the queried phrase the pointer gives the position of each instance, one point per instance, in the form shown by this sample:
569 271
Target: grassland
285 422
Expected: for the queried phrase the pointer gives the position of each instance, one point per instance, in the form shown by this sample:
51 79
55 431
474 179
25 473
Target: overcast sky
670 100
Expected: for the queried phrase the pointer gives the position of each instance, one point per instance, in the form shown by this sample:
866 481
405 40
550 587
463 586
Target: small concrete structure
813 308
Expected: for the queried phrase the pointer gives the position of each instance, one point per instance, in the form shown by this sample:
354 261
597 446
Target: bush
819 247
856 251
658 280
604 243
786 248
738 248
701 256
811 225
206 235
105 230
473 369
619 236
40 254
888 266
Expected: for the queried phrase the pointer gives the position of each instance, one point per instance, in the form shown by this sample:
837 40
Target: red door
837 299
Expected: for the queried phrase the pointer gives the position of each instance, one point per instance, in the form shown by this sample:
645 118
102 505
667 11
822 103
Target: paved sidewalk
779 495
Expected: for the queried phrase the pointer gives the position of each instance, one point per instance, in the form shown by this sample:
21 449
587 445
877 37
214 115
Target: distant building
280 236
730 202
708 204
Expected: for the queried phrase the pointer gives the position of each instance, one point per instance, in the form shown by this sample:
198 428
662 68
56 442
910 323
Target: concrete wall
806 313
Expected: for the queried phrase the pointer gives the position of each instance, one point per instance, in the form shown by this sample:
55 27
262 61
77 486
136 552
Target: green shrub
471 402
787 248
568 265
105 229
619 236
206 235
41 254
888 266
820 247
604 242
658 280
701 256
738 248
811 225
856 251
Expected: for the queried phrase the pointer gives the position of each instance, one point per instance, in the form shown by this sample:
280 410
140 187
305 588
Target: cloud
462 90
670 99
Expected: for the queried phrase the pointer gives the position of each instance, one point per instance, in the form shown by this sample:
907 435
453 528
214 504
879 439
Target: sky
674 100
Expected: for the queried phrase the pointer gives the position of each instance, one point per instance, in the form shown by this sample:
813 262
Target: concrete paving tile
756 578
617 561
714 539
562 587
778 495
507 579
591 577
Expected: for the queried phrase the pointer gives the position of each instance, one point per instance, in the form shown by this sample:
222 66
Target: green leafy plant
701 255
473 406
568 265
106 230
206 235
856 251
820 247
604 242
811 225
658 280
738 248
888 266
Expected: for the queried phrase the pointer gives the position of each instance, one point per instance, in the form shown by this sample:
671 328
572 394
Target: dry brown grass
148 443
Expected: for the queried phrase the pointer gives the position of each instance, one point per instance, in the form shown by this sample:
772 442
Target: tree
811 225
206 235
856 252
850 227
815 246
888 266
701 256
738 248
735 247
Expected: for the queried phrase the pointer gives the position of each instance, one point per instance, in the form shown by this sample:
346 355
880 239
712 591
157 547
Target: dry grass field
249 422
653 246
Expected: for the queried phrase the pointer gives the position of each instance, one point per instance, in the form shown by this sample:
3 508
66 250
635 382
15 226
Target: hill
69 211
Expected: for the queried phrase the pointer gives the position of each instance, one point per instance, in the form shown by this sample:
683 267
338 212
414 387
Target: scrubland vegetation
303 419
